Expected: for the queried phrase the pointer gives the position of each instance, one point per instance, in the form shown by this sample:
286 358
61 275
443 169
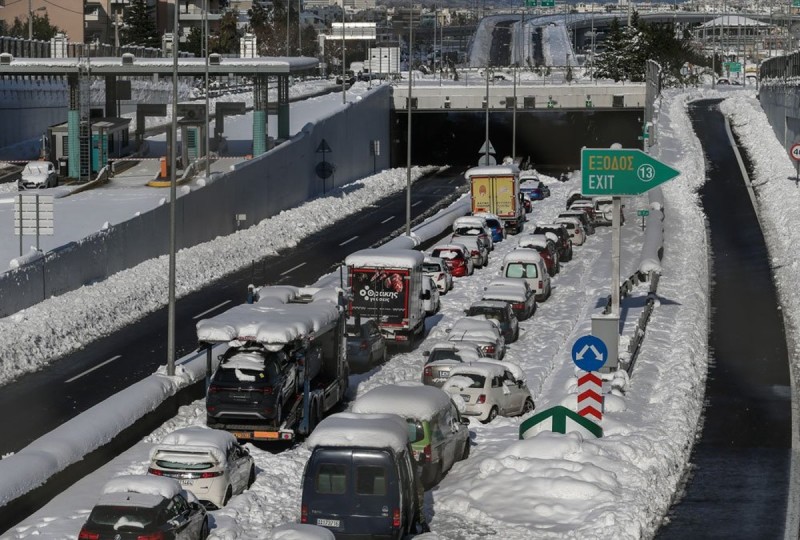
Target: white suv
209 463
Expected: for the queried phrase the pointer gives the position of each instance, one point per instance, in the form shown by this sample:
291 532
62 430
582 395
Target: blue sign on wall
589 353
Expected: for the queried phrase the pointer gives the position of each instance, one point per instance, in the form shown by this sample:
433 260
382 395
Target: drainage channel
738 486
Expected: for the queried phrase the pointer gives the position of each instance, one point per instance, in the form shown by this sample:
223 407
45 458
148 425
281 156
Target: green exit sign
548 3
796 3
534 3
621 172
643 213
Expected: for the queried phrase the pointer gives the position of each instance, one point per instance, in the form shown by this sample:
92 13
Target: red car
546 249
456 257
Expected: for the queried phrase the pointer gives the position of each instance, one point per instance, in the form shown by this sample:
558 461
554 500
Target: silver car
482 332
365 344
443 356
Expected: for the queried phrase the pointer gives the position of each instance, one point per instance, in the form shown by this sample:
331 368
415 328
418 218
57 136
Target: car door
516 394
499 395
179 515
460 434
239 468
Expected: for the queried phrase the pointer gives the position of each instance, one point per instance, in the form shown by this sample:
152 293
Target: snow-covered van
285 366
495 190
527 264
386 286
361 480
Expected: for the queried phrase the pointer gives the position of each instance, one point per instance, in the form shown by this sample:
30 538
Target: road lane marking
416 203
348 241
390 218
98 366
209 310
292 269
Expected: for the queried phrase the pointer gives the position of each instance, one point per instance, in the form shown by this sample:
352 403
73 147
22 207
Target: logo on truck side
378 296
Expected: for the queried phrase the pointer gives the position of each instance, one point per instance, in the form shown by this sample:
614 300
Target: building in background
67 16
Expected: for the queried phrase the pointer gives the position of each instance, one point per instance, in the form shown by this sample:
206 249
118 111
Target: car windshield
353 330
444 354
34 169
431 267
235 375
488 312
521 270
416 432
478 381
122 518
446 254
493 223
468 231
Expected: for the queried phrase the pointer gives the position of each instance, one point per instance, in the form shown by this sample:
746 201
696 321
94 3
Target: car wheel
465 454
516 334
228 495
204 529
492 415
528 406
252 477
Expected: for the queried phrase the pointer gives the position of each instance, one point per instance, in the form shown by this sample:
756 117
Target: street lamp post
408 106
172 195
30 21
205 48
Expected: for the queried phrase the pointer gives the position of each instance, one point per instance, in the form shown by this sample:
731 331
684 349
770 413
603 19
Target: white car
527 264
209 463
439 272
38 175
483 332
430 301
474 226
488 390
575 228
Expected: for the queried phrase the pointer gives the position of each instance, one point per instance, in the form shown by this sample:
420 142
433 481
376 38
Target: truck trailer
495 190
285 366
386 286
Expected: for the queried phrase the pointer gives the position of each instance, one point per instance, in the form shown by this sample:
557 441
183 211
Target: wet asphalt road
739 484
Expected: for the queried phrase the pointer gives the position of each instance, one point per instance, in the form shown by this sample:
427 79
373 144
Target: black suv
252 384
564 244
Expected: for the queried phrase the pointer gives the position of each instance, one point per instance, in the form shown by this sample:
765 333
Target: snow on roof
480 221
361 430
489 303
471 326
487 215
515 370
197 439
430 259
517 284
485 369
506 294
492 170
531 183
270 322
568 220
452 246
300 531
157 487
732 20
522 255
533 241
419 401
385 258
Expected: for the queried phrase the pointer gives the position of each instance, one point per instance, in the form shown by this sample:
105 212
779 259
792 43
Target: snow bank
653 246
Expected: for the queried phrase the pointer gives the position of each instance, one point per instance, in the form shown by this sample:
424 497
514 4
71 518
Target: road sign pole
615 249
37 222
19 205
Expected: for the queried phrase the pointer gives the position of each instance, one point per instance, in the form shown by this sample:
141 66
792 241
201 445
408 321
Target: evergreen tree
194 42
42 29
610 63
227 40
139 26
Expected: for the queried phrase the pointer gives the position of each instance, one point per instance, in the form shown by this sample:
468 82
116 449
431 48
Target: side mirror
520 384
464 421
426 353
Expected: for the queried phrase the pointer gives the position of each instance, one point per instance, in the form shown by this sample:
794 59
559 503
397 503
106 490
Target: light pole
30 21
172 195
205 49
486 142
408 106
344 81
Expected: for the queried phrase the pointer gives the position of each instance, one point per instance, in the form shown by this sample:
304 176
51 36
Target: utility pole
205 50
408 121
30 21
172 196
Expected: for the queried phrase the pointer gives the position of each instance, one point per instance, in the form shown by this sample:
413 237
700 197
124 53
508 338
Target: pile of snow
418 401
361 430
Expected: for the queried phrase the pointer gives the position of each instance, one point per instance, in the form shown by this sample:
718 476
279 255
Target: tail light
396 518
517 306
88 535
210 474
213 389
267 390
428 453
152 536
155 472
427 372
475 253
489 349
364 345
458 263
541 284
481 399
304 514
400 337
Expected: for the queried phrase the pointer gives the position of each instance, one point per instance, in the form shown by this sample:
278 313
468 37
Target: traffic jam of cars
294 353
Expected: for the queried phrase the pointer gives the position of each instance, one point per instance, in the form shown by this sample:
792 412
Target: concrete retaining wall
260 188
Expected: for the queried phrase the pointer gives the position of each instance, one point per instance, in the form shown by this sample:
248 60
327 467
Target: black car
250 383
502 312
130 509
564 244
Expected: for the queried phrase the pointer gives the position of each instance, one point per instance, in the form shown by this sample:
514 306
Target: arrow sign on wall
615 172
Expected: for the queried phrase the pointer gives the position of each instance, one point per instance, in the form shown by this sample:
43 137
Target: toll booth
109 139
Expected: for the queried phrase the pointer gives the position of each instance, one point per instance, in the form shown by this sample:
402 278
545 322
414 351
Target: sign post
324 169
33 215
795 153
643 214
590 354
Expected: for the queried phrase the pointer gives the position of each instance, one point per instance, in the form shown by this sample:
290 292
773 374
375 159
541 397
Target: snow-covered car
498 310
527 264
583 217
563 241
143 506
207 462
488 390
533 188
496 226
456 257
366 346
575 229
484 333
439 272
603 209
38 175
473 226
545 247
443 356
527 202
517 292
476 246
431 300
576 195
585 206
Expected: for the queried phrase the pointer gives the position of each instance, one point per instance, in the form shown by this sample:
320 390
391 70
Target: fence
34 48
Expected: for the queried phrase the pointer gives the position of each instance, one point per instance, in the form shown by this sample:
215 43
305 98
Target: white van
527 264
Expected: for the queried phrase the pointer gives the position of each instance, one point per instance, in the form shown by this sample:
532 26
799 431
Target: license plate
465 397
328 522
242 434
444 374
186 482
